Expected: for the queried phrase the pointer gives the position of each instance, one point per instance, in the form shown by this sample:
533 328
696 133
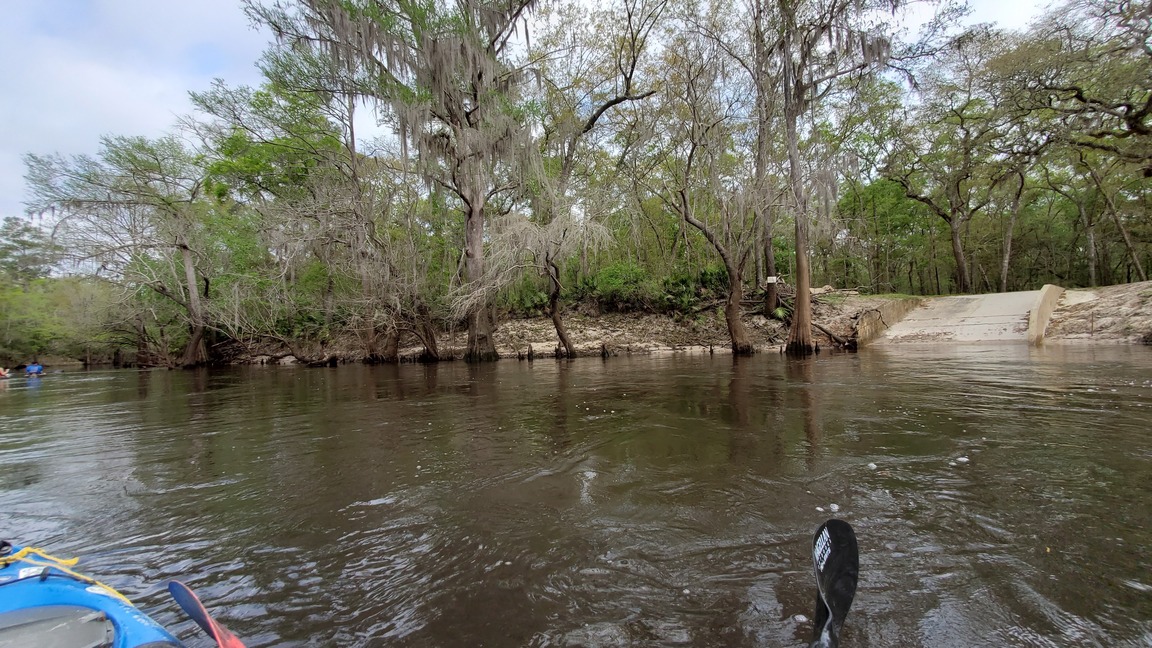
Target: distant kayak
43 602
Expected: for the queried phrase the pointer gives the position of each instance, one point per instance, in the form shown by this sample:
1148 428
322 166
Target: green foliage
526 298
234 239
23 329
681 291
26 251
62 317
271 141
714 279
685 289
38 314
891 243
624 286
314 305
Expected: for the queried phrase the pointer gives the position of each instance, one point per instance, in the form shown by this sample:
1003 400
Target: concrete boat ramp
1001 317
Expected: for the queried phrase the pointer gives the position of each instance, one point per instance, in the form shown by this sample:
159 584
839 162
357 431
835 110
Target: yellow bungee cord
40 558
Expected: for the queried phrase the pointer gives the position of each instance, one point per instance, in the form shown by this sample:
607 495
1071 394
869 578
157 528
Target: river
1002 496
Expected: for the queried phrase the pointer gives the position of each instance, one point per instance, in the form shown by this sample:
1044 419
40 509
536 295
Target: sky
75 70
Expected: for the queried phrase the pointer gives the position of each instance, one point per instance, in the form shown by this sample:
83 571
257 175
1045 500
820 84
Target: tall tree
810 45
1086 69
695 164
947 156
28 323
445 76
592 67
1089 63
290 154
26 251
139 197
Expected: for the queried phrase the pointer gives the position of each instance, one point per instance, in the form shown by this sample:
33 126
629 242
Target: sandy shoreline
1120 314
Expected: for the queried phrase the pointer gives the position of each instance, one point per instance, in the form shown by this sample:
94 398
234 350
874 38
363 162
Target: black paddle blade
836 562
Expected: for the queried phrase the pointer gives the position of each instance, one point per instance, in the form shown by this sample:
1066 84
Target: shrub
526 298
714 278
685 289
623 286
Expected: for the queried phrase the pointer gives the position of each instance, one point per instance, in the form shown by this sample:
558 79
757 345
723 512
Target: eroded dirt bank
1120 314
1117 314
625 333
1113 314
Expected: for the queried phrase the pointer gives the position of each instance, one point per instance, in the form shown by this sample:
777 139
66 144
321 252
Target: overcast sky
74 70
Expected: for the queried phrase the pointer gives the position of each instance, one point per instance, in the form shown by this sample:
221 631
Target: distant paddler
4 373
34 369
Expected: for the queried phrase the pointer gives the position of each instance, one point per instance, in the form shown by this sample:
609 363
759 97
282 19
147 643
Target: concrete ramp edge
1042 312
872 323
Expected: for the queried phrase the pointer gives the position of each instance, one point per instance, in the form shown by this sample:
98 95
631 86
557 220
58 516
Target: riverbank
706 332
1120 314
1114 314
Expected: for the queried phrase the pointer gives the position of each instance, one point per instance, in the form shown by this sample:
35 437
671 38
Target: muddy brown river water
1002 496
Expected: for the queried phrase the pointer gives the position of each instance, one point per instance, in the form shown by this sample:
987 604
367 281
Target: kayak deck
44 603
56 626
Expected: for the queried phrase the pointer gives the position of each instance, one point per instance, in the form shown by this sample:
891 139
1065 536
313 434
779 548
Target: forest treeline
661 155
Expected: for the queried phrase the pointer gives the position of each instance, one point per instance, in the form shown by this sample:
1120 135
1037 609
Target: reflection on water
1001 496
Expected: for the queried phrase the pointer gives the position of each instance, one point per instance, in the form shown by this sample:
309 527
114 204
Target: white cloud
100 67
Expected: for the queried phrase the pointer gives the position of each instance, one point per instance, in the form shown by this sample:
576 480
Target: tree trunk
428 335
741 343
800 333
143 354
383 345
764 97
759 259
963 279
772 291
1111 205
195 353
390 350
1015 213
1090 233
554 307
481 346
